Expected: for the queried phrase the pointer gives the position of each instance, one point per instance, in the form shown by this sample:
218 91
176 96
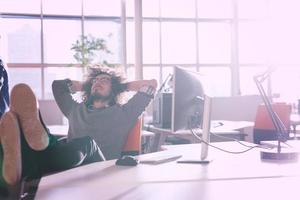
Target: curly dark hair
117 84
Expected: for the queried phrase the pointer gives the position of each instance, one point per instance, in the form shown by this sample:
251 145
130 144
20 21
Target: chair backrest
263 126
133 144
263 120
50 112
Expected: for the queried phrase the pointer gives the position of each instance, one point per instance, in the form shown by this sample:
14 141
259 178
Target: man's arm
138 85
137 104
62 90
75 86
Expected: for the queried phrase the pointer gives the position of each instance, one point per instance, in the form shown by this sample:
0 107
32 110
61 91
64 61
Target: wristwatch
148 90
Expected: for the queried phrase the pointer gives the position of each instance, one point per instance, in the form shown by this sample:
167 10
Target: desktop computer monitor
187 100
191 108
205 128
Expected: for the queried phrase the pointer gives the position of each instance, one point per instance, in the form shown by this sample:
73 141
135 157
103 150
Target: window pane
284 41
22 40
284 31
215 9
58 73
102 7
286 82
151 49
151 72
285 9
129 8
66 7
130 74
30 76
150 8
178 8
214 43
109 31
247 84
18 6
130 42
178 43
216 80
59 35
252 42
252 8
166 71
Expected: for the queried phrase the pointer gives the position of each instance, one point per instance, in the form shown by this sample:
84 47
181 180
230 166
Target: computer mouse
127 161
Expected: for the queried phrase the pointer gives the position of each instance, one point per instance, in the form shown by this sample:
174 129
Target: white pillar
138 22
123 36
235 70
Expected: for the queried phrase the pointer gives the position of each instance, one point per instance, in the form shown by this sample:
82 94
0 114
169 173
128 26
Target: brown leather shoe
23 102
11 146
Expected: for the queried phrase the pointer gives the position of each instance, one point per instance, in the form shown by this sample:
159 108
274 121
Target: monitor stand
284 155
206 161
205 134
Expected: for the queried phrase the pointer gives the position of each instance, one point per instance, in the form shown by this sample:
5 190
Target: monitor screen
187 100
191 108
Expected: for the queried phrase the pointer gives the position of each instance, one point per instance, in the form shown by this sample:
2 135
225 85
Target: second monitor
187 100
191 109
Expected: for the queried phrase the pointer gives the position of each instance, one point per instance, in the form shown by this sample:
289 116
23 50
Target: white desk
232 129
59 130
288 144
229 176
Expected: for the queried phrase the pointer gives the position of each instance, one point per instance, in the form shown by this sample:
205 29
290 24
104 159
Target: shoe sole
11 145
23 102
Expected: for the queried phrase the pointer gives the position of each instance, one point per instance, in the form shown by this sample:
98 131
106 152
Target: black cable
232 152
230 139
238 141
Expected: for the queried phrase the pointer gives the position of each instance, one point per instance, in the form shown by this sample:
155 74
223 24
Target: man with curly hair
100 115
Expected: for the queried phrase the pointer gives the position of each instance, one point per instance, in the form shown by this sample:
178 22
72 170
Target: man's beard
99 97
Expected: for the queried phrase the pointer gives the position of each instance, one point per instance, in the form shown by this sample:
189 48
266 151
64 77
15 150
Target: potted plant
87 48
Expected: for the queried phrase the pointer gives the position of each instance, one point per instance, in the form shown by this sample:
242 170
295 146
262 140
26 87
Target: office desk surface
230 129
228 176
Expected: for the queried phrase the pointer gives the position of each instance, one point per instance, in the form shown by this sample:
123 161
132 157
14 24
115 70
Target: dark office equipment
162 109
127 161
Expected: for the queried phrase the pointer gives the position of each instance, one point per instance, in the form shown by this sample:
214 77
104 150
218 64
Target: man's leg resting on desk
10 150
50 154
66 155
40 151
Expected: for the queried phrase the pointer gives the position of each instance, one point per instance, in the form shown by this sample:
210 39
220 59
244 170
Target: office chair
133 144
263 126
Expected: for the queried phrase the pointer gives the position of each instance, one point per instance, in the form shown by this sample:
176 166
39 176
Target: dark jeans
59 155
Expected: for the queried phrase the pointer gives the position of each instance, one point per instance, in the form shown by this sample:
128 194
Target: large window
21 41
57 43
196 34
111 32
228 41
37 35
